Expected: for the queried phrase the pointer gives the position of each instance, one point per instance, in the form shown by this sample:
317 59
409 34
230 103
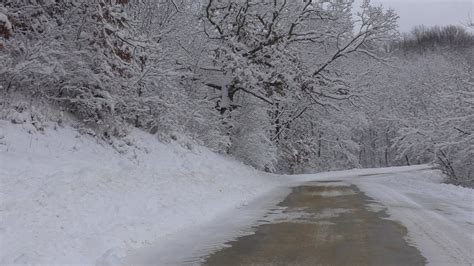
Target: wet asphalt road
322 223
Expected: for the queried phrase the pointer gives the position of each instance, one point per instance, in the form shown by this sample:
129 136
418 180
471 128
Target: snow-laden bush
5 25
250 142
102 62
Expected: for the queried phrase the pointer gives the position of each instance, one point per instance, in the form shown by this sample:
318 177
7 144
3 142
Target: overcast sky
429 12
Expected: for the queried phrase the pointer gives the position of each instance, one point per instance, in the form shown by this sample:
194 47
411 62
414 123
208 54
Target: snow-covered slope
67 199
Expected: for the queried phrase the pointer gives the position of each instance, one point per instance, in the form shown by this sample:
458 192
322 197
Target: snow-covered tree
285 54
424 102
287 86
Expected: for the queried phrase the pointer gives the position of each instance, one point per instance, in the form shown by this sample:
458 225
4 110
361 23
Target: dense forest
284 86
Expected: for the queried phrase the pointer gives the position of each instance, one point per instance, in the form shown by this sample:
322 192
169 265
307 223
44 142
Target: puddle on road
322 225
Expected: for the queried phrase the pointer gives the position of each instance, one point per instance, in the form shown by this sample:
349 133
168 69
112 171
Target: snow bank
439 217
66 199
356 173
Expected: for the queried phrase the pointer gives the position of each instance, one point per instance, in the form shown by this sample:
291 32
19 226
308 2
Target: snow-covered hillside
65 198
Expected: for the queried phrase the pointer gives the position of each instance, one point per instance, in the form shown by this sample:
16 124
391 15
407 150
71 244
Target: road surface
322 223
392 216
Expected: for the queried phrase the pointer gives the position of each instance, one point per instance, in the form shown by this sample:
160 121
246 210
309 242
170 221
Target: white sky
429 12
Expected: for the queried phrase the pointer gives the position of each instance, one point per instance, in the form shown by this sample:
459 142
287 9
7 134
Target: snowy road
322 223
373 217
440 217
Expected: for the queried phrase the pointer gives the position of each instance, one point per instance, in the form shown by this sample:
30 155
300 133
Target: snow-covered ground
67 199
439 217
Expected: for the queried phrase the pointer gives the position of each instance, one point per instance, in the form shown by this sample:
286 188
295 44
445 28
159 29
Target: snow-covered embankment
67 199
